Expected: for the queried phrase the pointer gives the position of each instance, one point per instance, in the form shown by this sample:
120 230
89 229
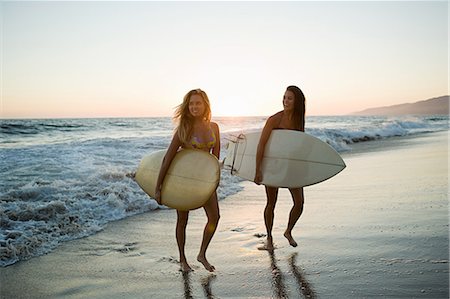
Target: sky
138 59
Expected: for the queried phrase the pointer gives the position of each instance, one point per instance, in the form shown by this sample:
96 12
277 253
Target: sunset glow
134 59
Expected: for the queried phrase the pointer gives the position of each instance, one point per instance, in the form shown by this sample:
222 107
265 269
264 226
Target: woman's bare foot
185 267
290 239
268 246
206 264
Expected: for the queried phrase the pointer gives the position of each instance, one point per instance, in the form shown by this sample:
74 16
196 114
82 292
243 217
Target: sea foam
68 178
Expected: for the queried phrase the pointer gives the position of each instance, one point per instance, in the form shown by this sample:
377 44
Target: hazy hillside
432 106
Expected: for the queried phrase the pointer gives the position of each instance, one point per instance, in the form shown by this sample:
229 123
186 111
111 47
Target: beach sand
379 228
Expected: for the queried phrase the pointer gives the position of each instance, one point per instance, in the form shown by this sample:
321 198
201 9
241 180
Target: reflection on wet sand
277 277
304 286
206 284
278 285
305 289
187 285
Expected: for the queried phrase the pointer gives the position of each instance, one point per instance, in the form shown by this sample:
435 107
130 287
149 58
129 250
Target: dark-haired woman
292 117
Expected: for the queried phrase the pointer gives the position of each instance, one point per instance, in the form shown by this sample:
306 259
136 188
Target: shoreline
379 228
394 142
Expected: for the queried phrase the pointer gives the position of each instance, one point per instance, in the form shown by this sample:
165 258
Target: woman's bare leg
269 212
212 212
294 215
182 219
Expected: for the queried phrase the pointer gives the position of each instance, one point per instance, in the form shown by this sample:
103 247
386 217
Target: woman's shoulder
273 121
275 117
214 126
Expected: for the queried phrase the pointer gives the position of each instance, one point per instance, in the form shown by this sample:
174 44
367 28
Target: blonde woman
194 130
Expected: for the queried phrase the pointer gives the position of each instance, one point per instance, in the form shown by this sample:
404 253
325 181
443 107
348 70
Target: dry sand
379 228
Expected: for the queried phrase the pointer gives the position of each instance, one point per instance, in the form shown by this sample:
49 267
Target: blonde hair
184 119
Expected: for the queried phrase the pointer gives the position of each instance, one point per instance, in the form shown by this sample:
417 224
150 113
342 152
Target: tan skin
211 207
280 120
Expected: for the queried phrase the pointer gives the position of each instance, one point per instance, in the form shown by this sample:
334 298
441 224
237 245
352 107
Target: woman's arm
268 127
170 154
216 148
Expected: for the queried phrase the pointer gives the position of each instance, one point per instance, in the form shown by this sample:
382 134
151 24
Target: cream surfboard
292 159
190 181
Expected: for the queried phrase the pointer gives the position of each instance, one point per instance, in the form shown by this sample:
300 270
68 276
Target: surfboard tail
233 147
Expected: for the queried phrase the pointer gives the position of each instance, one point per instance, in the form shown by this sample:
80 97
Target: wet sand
379 228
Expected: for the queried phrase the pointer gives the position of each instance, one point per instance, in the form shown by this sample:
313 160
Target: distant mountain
437 105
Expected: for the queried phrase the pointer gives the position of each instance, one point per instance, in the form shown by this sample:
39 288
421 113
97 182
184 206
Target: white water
67 178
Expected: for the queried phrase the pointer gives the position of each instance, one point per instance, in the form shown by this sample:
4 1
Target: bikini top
209 143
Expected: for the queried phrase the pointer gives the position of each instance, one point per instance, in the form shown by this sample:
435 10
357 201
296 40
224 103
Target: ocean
63 179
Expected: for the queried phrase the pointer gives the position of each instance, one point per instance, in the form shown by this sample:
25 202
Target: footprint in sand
127 247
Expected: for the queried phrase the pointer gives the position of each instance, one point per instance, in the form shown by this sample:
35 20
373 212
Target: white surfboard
190 181
292 159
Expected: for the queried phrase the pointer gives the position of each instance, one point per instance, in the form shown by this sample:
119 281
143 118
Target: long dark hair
299 106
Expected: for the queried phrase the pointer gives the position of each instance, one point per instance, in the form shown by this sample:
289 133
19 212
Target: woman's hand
258 177
158 195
